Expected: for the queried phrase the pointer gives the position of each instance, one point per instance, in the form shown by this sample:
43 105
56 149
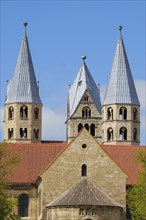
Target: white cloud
53 124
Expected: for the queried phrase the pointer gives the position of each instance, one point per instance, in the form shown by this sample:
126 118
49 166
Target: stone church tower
84 106
121 107
23 106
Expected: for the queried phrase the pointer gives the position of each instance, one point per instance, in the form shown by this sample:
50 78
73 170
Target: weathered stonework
16 122
116 123
65 172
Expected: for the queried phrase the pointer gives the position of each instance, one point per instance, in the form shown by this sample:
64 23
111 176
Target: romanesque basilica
84 177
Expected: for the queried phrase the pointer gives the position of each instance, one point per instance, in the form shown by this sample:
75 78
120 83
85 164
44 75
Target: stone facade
23 123
85 114
85 213
124 117
66 171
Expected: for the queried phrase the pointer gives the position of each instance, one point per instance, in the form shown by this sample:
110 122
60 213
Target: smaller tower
121 108
23 106
84 106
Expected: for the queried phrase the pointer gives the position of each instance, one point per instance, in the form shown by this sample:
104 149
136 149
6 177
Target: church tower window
23 205
134 114
110 134
23 132
11 112
87 127
123 133
84 170
10 133
123 113
86 112
36 113
135 134
36 133
23 112
110 114
92 130
80 126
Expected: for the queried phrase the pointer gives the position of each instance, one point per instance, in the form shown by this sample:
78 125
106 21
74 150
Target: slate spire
121 88
23 85
83 82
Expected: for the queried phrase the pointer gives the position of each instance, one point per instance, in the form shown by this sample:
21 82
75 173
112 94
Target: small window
134 114
87 127
110 114
23 132
123 133
11 112
84 146
84 170
36 113
92 130
135 134
36 133
10 133
23 112
80 126
123 113
23 205
110 134
86 112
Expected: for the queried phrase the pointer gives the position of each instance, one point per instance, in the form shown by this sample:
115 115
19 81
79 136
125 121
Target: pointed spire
23 86
83 82
121 88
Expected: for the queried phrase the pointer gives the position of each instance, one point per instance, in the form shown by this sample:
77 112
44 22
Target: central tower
84 106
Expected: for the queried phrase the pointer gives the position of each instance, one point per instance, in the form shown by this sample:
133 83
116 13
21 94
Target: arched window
87 127
10 133
92 130
23 205
123 113
134 114
110 114
109 134
23 132
11 112
23 112
135 134
36 113
80 126
123 133
86 112
84 170
36 133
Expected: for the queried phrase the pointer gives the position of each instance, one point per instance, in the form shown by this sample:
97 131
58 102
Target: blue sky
59 33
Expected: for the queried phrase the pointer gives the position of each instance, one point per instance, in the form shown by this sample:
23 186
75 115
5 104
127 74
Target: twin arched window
134 114
10 133
123 113
11 112
23 205
123 133
110 134
110 114
36 113
135 134
36 133
86 112
23 112
23 132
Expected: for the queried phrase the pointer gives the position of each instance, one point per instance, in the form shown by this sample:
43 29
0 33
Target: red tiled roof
35 158
124 156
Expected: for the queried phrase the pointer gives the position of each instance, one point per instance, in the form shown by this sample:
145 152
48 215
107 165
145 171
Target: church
86 176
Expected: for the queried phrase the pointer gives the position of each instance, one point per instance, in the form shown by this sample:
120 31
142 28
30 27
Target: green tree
136 196
8 160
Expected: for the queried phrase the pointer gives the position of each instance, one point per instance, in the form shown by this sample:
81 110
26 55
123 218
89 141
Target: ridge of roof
82 83
83 193
121 88
23 86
